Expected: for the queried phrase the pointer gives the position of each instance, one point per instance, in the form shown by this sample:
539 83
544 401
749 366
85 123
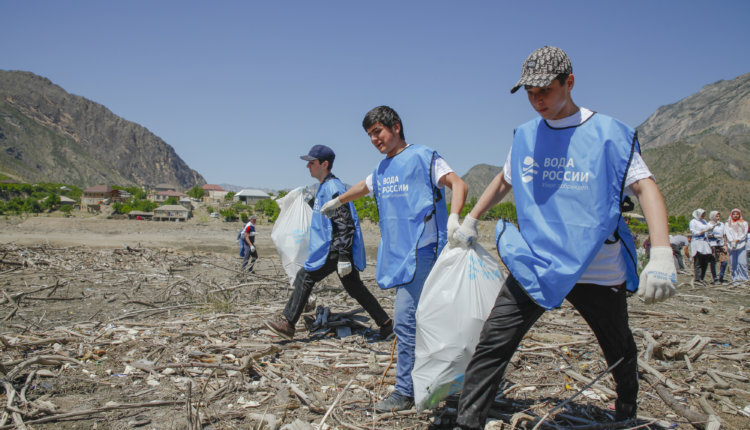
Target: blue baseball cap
319 152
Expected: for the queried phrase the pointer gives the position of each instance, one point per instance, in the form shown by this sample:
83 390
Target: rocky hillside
49 135
699 148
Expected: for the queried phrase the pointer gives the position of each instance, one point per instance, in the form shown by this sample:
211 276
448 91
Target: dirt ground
139 324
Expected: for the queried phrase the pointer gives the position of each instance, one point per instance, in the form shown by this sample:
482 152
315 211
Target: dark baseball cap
542 67
319 152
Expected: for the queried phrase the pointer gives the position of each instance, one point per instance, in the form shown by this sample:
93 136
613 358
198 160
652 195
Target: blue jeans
405 322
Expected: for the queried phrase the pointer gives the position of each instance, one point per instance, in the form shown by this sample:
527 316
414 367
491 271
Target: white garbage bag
291 231
456 299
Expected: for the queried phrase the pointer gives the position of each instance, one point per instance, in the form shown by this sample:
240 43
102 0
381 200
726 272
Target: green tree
196 192
229 196
66 209
171 201
51 202
269 208
367 207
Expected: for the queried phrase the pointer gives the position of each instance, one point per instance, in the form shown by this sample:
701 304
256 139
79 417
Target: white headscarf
698 213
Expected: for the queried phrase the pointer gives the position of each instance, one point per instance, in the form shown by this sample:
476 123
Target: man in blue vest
571 170
336 245
414 224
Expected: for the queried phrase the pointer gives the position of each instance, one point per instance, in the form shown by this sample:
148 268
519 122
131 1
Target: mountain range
698 148
49 135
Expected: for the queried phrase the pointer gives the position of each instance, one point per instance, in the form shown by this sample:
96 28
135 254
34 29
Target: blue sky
241 89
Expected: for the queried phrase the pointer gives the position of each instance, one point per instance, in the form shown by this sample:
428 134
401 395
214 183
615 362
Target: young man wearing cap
248 236
408 188
571 170
336 245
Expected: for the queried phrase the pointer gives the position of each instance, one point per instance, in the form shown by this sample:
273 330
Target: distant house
187 203
171 213
250 196
164 187
66 201
140 215
94 196
213 193
164 195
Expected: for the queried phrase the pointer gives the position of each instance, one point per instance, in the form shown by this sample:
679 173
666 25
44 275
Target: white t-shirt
440 168
608 266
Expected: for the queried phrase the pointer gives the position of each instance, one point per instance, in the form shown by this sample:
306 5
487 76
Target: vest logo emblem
529 169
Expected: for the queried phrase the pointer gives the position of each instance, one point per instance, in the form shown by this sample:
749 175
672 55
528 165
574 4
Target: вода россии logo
529 169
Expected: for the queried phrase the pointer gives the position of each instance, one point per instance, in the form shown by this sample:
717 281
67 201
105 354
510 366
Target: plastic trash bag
456 299
291 231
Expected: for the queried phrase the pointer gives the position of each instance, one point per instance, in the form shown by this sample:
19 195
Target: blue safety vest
568 186
321 229
406 200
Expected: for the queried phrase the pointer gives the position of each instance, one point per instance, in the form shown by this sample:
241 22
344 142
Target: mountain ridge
50 135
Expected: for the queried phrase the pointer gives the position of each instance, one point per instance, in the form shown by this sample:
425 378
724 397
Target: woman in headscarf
700 250
736 235
718 248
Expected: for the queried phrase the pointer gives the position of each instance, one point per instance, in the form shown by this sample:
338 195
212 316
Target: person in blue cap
414 226
336 245
571 170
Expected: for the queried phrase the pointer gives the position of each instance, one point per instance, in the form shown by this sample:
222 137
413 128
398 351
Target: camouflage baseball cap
542 67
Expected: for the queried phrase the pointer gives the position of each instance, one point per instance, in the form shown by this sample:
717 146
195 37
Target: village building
140 215
213 193
164 187
97 195
171 213
164 195
251 196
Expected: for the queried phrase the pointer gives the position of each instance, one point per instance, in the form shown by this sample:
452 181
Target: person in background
408 187
570 170
336 245
678 242
248 236
736 236
718 248
700 250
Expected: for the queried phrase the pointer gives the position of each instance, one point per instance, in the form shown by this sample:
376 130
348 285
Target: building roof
171 193
212 187
64 199
252 193
165 187
98 189
173 208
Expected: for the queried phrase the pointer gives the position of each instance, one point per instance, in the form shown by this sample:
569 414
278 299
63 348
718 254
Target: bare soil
139 324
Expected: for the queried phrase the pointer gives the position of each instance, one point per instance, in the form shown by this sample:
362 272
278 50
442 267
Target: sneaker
281 326
395 402
386 330
624 411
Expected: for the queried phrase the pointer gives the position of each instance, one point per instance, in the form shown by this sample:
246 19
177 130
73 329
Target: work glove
330 207
467 233
453 225
659 277
252 248
344 267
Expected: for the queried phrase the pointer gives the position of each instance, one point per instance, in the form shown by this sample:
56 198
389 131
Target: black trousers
305 281
515 313
700 264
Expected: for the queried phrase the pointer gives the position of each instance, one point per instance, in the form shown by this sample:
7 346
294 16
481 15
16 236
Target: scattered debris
141 337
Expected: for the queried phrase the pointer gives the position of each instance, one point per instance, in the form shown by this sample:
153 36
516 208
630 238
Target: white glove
659 277
467 233
453 225
330 207
252 248
344 268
